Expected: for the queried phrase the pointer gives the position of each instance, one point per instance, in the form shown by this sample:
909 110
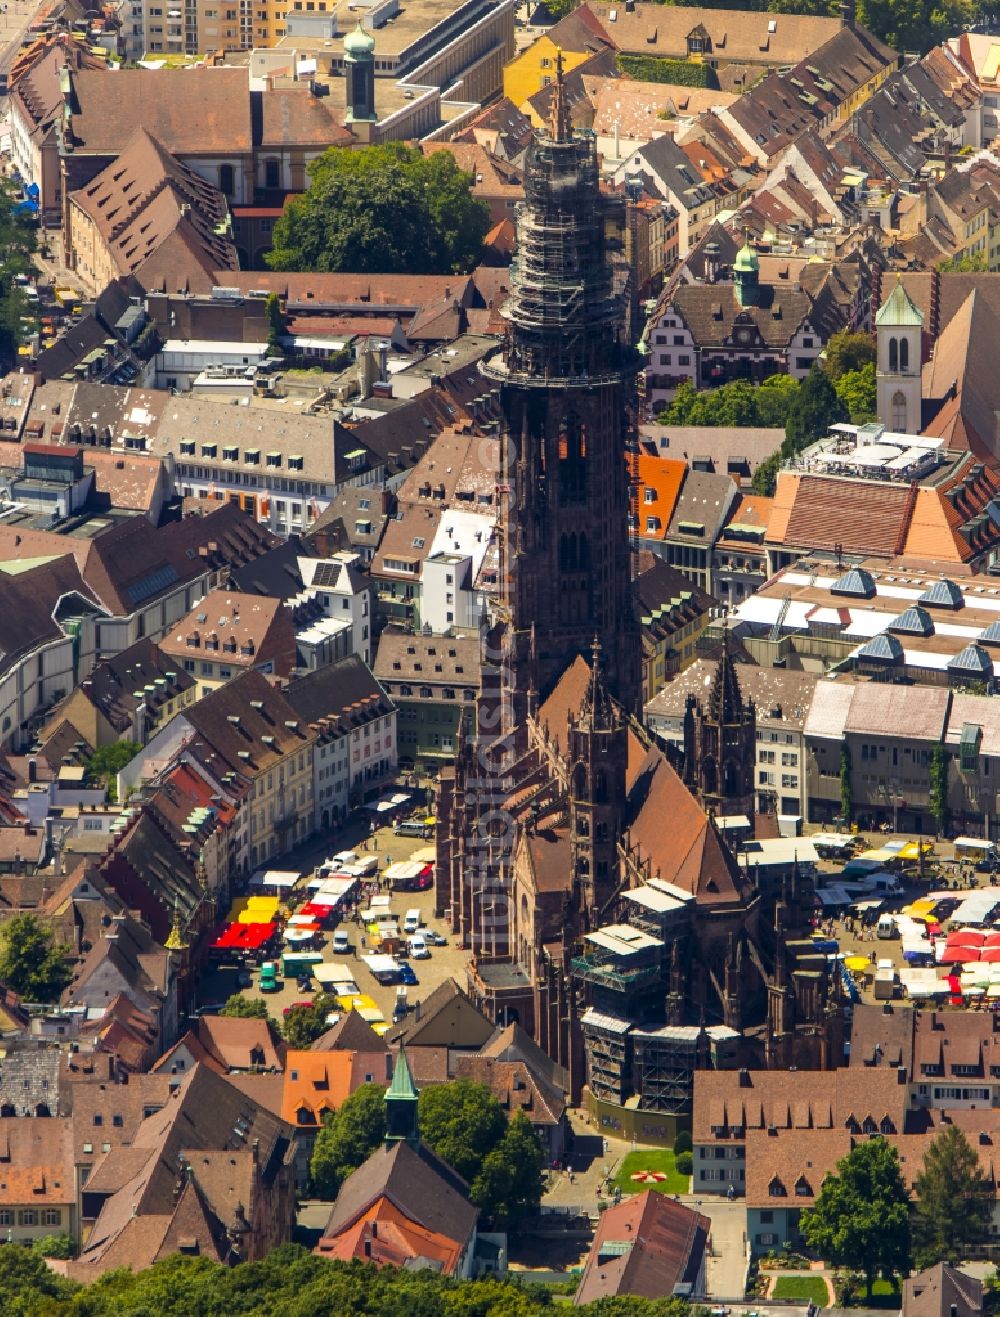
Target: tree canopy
463 1122
862 1214
858 391
304 1024
348 1138
31 963
814 409
847 351
954 1201
737 403
245 1008
290 1282
510 1183
17 245
382 209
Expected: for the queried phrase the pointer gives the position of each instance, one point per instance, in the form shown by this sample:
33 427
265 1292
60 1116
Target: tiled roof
241 630
152 211
315 1083
859 516
417 1182
210 116
712 312
644 1246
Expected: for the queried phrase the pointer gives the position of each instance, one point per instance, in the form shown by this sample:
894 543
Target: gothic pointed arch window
899 411
893 355
572 452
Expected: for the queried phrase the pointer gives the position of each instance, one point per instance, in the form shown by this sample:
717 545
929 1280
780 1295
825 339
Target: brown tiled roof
712 311
157 216
644 1246
36 1161
736 35
216 735
294 116
796 1100
241 1044
860 516
117 685
241 630
448 1018
417 1182
515 1087
199 111
942 1291
787 1168
690 854
550 857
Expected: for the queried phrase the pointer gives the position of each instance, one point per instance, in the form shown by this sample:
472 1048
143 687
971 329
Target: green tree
862 1214
17 245
382 209
963 264
848 351
938 794
846 796
28 1287
275 326
463 1122
347 1138
53 1246
683 1142
31 963
814 409
856 389
105 764
954 1201
765 479
510 1183
684 1162
245 1008
774 397
915 26
304 1024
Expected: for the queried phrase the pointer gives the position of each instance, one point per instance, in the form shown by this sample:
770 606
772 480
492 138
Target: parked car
341 943
295 1005
244 979
434 939
408 975
304 983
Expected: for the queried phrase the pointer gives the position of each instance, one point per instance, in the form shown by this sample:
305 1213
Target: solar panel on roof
148 586
326 574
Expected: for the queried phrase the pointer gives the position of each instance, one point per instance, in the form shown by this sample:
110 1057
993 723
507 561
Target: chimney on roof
32 769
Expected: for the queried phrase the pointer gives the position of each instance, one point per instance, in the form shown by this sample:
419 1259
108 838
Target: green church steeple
401 1104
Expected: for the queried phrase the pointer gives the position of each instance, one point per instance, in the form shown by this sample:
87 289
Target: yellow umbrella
857 963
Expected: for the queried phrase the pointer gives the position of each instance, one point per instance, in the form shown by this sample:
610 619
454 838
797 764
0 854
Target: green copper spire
401 1103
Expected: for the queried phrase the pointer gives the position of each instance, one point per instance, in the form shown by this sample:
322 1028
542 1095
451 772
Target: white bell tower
898 327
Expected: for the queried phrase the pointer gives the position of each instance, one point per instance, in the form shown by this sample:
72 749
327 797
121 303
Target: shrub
684 1161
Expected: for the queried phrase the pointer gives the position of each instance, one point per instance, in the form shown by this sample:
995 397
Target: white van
417 947
411 921
887 927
